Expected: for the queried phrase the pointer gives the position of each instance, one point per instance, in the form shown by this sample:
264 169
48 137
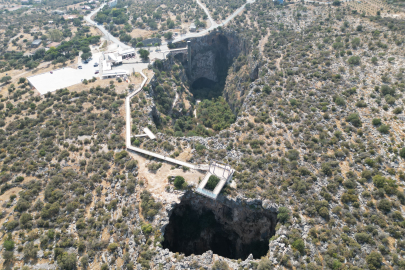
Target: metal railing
206 193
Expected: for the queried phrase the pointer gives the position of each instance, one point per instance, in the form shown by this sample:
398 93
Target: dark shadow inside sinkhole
234 233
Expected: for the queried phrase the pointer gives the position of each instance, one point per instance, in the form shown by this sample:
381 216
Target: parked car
96 64
96 72
85 61
80 67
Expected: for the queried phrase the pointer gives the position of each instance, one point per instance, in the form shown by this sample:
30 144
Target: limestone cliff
212 55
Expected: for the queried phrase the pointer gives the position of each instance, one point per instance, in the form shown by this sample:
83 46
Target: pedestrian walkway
146 152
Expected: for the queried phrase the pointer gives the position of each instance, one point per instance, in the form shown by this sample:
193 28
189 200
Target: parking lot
65 77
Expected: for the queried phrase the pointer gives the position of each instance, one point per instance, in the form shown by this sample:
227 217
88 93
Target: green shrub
146 228
402 152
362 238
385 129
179 182
398 110
11 225
384 205
220 265
354 119
67 261
212 182
283 215
112 247
376 122
374 260
265 264
149 207
354 60
154 166
8 245
299 245
340 101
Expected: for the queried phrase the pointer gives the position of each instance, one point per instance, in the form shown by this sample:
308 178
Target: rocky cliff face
228 228
212 55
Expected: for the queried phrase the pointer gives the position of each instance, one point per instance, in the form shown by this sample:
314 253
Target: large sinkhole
198 224
204 88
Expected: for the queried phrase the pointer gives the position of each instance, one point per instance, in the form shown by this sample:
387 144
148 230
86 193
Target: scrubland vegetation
319 132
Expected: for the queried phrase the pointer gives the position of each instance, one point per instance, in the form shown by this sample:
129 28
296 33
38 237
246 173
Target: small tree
264 264
354 60
354 119
168 35
67 261
376 121
5 79
144 54
86 55
30 252
283 214
179 182
384 205
299 245
112 247
385 129
402 152
374 60
84 261
212 182
8 244
8 256
25 220
220 265
374 260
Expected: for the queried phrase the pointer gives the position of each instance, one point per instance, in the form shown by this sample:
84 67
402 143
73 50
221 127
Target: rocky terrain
305 102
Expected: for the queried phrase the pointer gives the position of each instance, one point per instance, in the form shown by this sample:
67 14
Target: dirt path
278 62
263 41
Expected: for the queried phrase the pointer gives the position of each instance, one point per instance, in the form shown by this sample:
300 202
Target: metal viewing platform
223 172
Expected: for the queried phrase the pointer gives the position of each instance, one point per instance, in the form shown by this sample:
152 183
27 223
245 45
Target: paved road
213 23
103 30
233 15
177 39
